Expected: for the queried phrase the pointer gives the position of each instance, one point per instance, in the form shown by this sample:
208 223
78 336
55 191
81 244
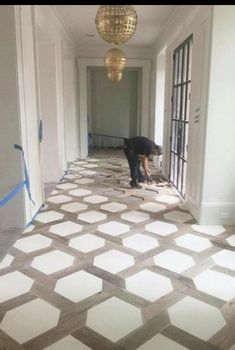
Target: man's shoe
135 185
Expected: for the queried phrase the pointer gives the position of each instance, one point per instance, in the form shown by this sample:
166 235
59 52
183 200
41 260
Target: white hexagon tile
6 261
52 262
75 168
70 286
95 199
87 242
119 318
193 242
66 186
74 207
90 166
34 321
216 283
32 243
68 343
225 258
161 228
93 159
88 172
135 216
149 285
231 240
152 207
49 216
14 284
59 199
80 192
113 207
92 216
29 228
212 230
140 242
161 342
80 162
113 228
65 228
72 176
174 261
84 181
113 261
196 317
168 199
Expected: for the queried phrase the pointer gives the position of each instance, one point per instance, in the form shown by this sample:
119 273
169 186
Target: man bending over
142 147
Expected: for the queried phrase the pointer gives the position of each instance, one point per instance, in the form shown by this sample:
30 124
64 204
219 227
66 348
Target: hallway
107 267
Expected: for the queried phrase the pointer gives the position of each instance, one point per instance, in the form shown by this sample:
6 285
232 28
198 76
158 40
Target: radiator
105 141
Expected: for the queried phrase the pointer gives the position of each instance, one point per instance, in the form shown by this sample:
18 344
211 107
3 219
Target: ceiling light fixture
116 23
115 61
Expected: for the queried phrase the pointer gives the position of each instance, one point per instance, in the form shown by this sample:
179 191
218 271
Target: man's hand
145 165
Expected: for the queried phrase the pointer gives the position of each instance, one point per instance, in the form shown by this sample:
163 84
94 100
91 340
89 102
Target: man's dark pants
134 163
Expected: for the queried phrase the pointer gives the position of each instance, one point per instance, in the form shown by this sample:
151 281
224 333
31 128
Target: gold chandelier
115 61
116 23
114 76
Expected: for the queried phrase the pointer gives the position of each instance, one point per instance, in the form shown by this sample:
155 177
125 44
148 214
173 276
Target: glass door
182 62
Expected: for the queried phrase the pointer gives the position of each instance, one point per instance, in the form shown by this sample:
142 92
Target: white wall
114 105
211 168
160 93
65 85
48 107
12 214
28 106
70 87
20 102
58 85
196 20
218 197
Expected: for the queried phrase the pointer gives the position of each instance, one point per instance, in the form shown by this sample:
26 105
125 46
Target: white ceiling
80 22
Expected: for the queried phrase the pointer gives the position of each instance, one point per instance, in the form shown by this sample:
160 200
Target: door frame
201 23
184 121
83 64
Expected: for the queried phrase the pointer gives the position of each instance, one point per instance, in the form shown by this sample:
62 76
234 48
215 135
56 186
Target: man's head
157 150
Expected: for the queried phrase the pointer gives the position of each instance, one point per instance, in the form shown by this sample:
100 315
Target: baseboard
217 213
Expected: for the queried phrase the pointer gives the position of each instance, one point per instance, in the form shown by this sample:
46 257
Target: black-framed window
182 63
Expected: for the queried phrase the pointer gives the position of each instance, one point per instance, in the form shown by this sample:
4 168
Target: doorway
182 63
47 90
113 108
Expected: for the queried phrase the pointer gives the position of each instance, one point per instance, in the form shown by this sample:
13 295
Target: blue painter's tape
25 173
65 173
31 221
20 186
12 194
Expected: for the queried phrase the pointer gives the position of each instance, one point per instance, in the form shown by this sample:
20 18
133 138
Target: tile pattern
117 268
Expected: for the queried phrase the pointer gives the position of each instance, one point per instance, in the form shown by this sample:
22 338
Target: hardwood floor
105 266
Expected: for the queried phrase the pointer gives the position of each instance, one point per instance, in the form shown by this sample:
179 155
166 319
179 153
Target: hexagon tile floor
104 266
